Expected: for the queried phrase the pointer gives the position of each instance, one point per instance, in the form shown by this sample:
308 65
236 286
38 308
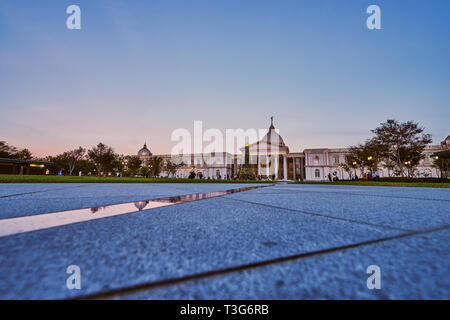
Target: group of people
371 176
367 176
333 177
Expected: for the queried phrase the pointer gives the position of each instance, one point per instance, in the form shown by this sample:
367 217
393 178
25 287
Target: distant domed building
144 154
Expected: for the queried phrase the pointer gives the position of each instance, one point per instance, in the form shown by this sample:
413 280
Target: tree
405 142
351 163
172 167
59 162
247 172
7 151
367 155
133 163
348 167
23 154
144 171
443 164
117 164
103 157
374 152
389 164
11 152
357 158
155 164
86 166
73 157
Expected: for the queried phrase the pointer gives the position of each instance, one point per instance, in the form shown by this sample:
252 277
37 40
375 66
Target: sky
138 70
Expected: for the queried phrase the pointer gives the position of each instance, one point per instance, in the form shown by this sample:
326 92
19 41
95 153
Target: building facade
28 167
205 166
272 159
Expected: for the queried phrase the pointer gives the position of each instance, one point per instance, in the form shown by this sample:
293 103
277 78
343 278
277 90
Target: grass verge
85 179
381 183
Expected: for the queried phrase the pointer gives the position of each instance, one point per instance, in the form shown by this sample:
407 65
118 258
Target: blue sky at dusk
137 70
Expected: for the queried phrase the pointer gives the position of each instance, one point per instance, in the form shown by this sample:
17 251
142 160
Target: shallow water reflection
49 220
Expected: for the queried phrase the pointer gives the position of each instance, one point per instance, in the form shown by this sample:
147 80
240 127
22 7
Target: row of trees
396 146
102 159
11 152
99 160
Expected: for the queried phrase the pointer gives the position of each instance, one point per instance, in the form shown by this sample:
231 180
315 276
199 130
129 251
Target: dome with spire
144 152
272 137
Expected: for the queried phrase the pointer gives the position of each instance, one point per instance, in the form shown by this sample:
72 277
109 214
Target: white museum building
272 160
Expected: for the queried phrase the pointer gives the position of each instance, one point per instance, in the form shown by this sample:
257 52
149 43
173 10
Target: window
316 160
336 159
317 173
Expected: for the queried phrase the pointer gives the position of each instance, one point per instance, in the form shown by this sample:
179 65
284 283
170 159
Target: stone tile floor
278 242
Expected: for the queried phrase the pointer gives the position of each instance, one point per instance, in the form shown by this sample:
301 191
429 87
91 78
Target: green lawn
381 183
85 179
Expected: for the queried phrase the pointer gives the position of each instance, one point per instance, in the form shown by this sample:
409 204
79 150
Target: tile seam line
321 215
363 195
249 266
109 204
41 191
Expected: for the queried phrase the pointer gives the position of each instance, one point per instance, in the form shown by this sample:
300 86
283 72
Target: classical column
276 165
285 177
259 164
302 177
267 166
293 168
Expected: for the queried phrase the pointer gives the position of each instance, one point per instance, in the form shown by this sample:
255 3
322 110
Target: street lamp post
407 163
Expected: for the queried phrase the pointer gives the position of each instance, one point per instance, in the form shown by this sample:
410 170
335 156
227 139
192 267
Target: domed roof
144 151
272 137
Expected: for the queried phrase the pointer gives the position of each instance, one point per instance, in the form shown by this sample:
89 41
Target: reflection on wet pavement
49 220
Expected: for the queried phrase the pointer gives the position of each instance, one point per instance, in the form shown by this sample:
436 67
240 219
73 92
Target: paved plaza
284 241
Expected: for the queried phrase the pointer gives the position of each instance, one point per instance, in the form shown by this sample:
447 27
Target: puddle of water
12 226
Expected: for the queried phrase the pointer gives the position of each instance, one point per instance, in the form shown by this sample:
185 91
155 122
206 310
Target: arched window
317 173
316 160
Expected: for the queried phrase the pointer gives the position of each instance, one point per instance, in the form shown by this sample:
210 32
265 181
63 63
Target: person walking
377 176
